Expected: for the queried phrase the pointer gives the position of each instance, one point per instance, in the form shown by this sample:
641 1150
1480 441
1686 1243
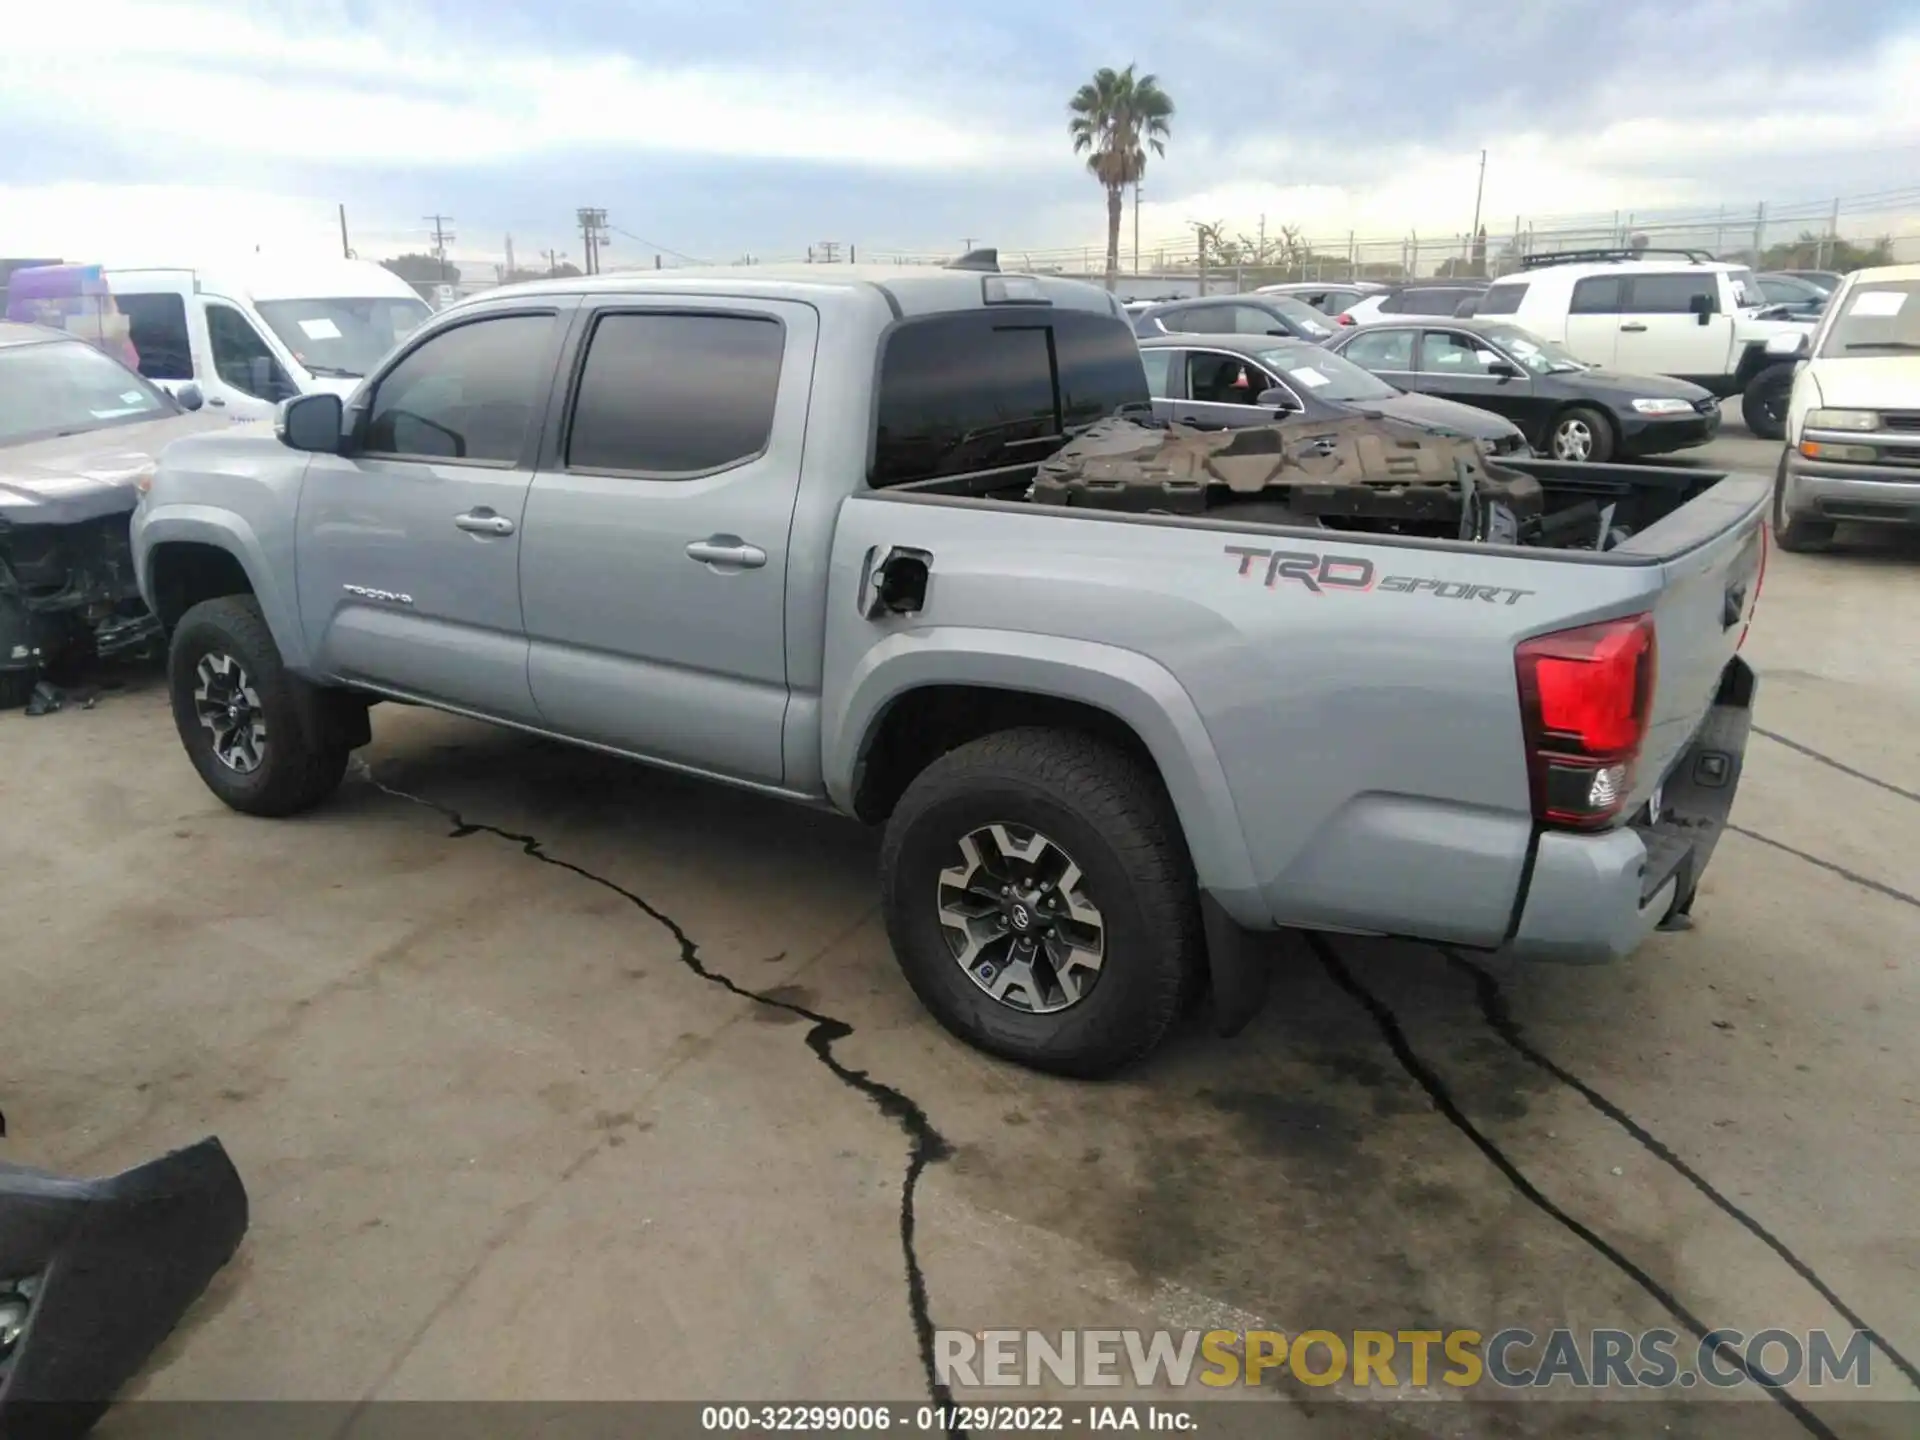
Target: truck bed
1361 724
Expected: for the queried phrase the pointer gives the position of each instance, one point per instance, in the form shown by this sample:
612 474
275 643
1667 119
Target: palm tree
1117 118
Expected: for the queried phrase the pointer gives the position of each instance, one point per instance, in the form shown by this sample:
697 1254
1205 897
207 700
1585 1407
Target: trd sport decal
1356 574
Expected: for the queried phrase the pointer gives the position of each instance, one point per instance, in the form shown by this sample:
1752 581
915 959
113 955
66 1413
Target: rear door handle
728 550
1635 329
484 522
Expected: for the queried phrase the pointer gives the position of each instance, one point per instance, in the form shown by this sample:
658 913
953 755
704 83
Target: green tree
417 269
1811 252
1117 117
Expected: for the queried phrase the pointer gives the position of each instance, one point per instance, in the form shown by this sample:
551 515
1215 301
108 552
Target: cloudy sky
716 128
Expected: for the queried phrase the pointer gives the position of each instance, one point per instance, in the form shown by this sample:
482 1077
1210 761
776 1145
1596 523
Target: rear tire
236 710
1797 534
1082 807
1581 432
1763 404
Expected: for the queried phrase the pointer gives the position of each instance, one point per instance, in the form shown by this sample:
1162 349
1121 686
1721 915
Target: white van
253 336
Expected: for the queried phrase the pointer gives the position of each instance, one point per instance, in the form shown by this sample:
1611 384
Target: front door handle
1634 329
727 550
484 522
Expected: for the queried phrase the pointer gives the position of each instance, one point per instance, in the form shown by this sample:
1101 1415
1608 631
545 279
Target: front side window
68 387
241 357
1199 320
1671 294
1448 352
1225 379
1381 349
467 393
667 394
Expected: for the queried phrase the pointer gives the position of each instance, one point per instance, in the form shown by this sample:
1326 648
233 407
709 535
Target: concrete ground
475 1034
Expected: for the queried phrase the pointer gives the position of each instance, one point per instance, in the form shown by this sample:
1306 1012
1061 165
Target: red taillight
1343 319
1585 699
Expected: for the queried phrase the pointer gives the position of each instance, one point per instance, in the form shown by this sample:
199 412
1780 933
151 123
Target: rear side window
157 326
1599 295
1436 301
676 394
1390 304
1502 300
467 393
981 389
1671 294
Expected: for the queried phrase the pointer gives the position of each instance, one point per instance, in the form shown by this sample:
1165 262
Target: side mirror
1702 306
188 397
1788 345
310 423
1278 399
1501 369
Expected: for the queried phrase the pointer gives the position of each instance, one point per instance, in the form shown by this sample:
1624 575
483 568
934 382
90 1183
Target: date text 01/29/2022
940 1419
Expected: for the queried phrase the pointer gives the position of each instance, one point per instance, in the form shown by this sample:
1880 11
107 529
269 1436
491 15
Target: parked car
1415 297
78 436
1684 315
1232 381
1329 298
1565 407
1853 426
1791 297
247 338
773 527
1827 281
1235 315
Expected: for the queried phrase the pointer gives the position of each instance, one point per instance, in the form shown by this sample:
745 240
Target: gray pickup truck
779 528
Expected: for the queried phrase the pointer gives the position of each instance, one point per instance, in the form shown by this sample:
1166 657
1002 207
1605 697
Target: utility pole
441 235
1478 191
345 248
554 257
509 254
829 251
593 234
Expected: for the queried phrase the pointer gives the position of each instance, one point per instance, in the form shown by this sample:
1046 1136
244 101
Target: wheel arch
915 698
186 554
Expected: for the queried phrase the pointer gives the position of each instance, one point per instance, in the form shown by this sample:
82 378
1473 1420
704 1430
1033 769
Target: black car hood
1435 413
1602 381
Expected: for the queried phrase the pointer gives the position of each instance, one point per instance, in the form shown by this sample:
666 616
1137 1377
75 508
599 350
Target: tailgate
1714 550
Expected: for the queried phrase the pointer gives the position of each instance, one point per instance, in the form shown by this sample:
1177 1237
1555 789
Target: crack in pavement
928 1145
1840 765
1442 1099
1499 1018
1866 882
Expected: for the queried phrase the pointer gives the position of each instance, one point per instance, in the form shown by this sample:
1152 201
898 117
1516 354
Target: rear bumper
1593 898
1877 494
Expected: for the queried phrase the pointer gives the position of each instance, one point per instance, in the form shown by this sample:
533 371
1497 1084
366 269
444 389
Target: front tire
1041 902
1581 433
1797 534
1763 404
235 708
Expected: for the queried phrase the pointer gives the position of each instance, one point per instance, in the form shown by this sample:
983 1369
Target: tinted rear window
980 389
1502 300
1436 301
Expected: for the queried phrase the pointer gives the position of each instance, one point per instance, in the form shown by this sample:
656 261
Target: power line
656 245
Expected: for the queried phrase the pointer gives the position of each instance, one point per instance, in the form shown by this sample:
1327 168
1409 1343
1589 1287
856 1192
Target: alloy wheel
1572 440
1016 916
229 708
